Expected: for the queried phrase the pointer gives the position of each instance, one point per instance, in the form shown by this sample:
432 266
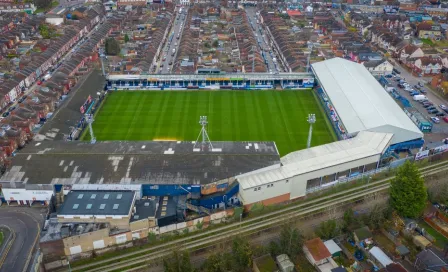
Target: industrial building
89 220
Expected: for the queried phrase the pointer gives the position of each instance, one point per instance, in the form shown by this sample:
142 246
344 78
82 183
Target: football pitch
279 116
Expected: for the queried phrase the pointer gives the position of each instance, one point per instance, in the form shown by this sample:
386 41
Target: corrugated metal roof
365 144
361 102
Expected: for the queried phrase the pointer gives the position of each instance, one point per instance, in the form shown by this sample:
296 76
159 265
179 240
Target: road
252 17
166 66
439 131
262 37
26 227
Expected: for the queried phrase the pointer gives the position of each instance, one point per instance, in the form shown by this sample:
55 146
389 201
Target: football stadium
151 141
279 116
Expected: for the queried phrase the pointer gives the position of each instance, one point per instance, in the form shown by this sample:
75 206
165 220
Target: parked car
396 71
416 87
443 107
435 120
440 114
5 114
426 106
433 111
39 82
12 108
445 119
431 108
423 91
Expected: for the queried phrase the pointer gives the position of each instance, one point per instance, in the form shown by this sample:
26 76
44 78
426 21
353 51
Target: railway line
139 259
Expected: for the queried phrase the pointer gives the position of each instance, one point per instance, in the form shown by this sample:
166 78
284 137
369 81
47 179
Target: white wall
23 194
296 185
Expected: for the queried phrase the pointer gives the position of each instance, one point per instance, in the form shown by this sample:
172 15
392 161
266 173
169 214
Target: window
259 188
116 206
287 180
102 206
119 196
255 189
80 196
106 196
89 206
75 206
93 196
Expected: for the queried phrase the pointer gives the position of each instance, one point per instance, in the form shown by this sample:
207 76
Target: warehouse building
94 219
357 100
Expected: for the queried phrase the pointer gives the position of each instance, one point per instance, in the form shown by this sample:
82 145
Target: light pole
311 120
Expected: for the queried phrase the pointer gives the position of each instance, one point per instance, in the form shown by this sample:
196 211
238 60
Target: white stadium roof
365 144
361 102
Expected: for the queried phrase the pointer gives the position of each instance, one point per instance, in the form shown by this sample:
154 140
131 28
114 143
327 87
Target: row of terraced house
17 129
49 60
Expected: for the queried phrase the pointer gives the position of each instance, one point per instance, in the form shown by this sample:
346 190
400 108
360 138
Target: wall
86 240
122 222
24 195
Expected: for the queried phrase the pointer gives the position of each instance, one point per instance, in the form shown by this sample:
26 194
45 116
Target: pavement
26 223
68 114
439 131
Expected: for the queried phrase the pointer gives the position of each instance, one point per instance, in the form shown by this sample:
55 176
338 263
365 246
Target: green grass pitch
279 116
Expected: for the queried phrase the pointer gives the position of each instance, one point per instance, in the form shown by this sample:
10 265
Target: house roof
363 233
380 256
317 249
332 247
395 267
428 259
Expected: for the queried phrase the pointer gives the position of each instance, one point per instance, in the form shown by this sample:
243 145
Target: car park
435 120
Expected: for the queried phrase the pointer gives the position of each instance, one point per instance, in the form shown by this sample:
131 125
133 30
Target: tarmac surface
25 223
68 114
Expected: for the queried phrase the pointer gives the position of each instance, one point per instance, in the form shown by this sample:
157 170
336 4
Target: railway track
139 259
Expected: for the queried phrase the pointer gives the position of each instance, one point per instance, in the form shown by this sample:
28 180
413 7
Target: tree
408 192
179 261
348 221
112 47
327 229
126 38
291 240
215 43
241 255
218 262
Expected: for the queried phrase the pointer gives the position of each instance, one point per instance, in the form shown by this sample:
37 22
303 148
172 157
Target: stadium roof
152 162
361 102
366 144
97 203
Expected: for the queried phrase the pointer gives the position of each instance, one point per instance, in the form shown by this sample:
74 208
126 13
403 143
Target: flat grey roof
152 162
97 203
